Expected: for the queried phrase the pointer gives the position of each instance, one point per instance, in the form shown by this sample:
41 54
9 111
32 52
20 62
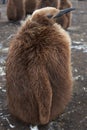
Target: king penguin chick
15 10
65 20
38 69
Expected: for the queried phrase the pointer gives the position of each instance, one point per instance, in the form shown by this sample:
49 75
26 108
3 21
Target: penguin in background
15 10
65 20
38 68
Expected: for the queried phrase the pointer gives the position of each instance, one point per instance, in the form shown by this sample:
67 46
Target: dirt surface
75 115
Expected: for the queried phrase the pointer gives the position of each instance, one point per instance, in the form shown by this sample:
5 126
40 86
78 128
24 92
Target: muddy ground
75 115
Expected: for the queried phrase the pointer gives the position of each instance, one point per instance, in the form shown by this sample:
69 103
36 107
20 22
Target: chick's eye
49 15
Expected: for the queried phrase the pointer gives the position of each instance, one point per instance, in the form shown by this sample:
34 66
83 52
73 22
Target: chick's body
39 81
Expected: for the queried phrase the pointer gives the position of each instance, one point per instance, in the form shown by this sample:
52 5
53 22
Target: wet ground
75 115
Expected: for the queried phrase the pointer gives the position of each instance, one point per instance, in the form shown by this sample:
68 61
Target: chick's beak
62 12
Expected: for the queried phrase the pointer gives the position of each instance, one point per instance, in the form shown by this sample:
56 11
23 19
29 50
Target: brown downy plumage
65 20
15 10
38 69
30 6
48 3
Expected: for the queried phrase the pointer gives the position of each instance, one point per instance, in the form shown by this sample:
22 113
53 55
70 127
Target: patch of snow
12 35
76 70
85 89
85 51
1 114
80 47
2 61
5 50
4 90
2 73
34 128
77 42
11 125
82 39
79 77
